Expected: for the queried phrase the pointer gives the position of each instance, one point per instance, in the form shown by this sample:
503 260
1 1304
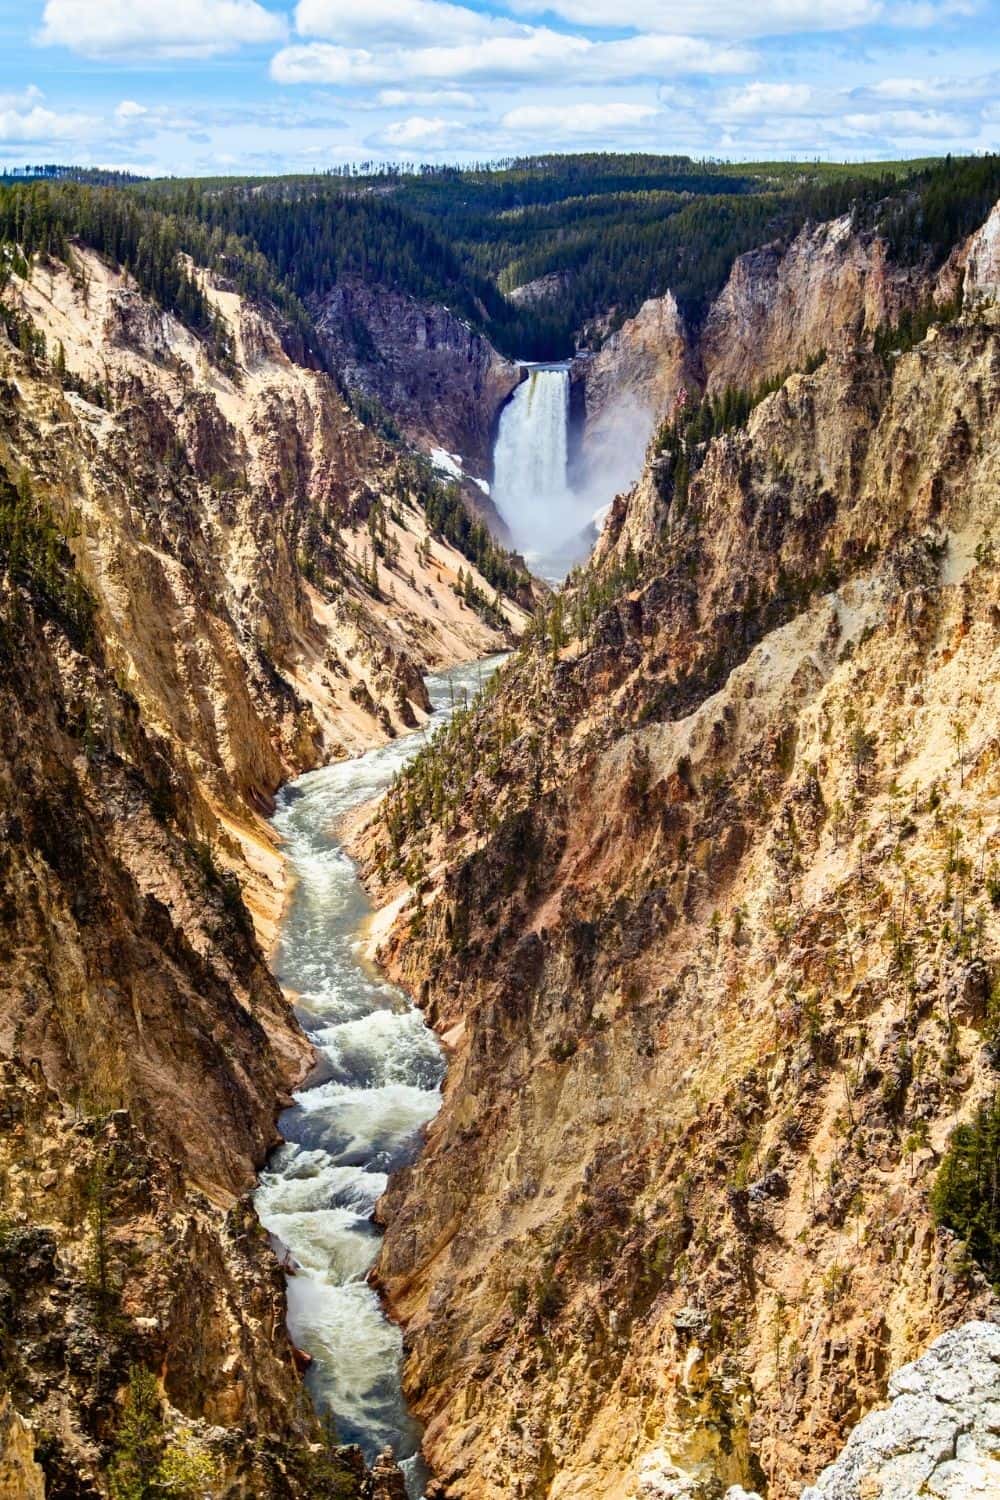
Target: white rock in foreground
939 1437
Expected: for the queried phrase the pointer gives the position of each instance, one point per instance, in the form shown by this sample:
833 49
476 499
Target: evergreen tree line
965 1197
35 557
97 176
943 204
45 217
620 229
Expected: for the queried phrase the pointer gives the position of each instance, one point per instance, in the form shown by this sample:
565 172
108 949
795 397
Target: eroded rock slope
213 576
781 305
703 901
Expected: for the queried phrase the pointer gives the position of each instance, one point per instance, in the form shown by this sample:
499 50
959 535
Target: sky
220 86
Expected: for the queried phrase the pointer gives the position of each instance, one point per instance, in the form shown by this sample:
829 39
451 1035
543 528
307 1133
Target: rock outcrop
706 921
939 1436
782 305
20 1477
627 387
443 382
982 261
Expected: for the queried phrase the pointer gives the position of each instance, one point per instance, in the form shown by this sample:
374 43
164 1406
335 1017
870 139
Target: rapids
360 1114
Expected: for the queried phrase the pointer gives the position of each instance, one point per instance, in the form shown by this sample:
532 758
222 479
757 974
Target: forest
615 230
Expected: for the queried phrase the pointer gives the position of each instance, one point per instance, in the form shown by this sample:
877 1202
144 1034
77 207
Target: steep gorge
707 919
214 577
702 898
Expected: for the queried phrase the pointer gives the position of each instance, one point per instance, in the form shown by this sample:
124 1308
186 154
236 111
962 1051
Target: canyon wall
214 577
707 920
443 382
781 306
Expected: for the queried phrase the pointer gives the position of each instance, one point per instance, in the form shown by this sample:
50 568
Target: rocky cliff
212 576
443 382
707 918
938 1436
781 305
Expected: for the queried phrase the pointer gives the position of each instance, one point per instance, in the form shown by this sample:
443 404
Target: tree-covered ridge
945 203
56 171
617 229
45 216
312 240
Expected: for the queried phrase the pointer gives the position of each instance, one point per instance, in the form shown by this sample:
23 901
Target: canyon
699 894
224 579
705 920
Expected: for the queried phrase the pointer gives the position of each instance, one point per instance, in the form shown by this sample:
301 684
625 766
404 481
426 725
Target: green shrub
35 556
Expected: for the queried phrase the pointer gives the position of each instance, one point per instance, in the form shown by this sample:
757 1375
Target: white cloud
921 14
758 99
162 28
934 90
724 17
907 125
395 21
419 131
37 125
425 98
32 94
749 18
537 55
577 119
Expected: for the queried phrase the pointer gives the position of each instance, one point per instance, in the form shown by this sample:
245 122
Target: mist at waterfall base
376 1084
552 521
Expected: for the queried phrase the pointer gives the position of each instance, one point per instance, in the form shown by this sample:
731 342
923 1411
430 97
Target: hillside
609 231
212 577
702 900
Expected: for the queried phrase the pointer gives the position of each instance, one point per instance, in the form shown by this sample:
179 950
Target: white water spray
530 484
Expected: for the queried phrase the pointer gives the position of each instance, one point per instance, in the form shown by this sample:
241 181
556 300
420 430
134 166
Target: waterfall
530 485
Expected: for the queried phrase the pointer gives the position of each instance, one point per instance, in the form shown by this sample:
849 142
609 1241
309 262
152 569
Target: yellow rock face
713 928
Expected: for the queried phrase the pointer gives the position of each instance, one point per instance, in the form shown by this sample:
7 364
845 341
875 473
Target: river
360 1114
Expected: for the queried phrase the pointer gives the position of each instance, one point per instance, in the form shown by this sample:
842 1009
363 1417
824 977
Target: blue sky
206 86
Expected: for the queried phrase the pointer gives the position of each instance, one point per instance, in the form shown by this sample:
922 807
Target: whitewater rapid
376 1084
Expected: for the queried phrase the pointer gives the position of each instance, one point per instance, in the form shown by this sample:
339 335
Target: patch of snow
447 463
451 464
